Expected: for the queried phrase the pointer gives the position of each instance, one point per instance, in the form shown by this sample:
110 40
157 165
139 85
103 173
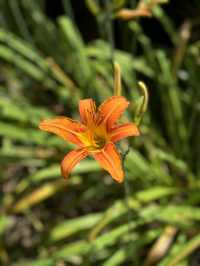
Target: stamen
99 141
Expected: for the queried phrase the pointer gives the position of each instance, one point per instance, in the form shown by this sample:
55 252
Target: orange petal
71 159
110 160
123 131
111 110
87 110
64 127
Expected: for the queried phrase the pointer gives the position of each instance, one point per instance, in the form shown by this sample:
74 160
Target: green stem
127 194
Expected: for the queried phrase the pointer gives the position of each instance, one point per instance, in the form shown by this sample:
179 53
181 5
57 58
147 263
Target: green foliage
46 67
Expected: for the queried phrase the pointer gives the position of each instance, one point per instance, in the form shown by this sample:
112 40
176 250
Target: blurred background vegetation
53 53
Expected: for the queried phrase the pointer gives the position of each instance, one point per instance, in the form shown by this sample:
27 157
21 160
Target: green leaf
37 262
5 222
185 251
73 226
72 249
54 170
155 193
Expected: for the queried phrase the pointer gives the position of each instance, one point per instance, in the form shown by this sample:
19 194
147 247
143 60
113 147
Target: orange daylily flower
95 135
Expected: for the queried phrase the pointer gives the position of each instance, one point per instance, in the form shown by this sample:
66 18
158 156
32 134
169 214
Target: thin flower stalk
117 80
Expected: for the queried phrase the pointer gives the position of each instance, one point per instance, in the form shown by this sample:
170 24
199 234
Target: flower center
99 141
95 138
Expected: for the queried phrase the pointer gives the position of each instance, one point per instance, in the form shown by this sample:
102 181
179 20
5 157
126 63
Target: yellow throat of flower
95 138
